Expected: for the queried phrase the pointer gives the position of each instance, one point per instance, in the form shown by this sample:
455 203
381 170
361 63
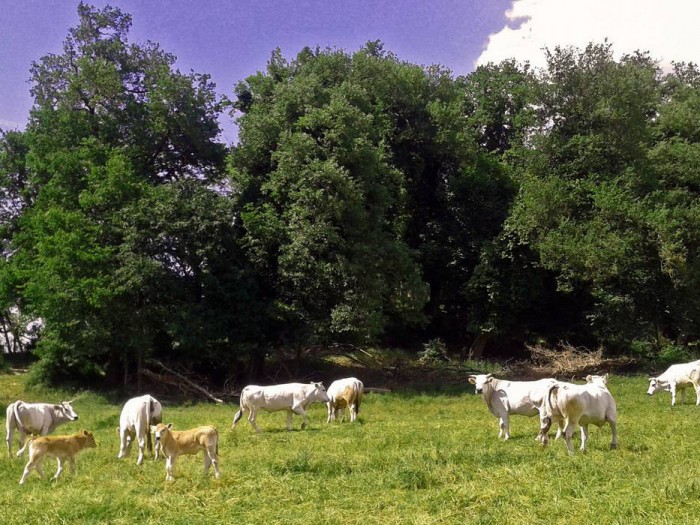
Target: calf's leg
60 468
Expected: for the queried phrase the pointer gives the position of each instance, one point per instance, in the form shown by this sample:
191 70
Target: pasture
412 458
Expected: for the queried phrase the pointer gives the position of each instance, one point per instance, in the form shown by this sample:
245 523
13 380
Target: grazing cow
677 377
579 405
137 416
504 398
60 447
178 443
292 397
344 393
35 419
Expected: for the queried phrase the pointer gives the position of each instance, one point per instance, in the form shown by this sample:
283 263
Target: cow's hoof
613 446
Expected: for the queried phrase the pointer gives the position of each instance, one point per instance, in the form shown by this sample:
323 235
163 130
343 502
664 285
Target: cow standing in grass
60 447
137 416
342 394
35 419
178 443
295 398
579 405
505 398
677 378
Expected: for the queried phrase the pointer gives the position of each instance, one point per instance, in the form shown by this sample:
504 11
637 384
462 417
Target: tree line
368 201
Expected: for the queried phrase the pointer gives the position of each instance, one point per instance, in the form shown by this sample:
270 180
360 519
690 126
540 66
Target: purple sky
233 39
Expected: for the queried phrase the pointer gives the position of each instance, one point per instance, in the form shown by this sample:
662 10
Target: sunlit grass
411 458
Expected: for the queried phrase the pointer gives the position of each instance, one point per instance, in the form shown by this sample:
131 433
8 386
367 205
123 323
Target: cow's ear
57 407
472 380
86 433
489 376
170 426
588 378
153 428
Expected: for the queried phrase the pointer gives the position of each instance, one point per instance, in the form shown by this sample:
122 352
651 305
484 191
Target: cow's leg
124 443
169 468
682 395
214 458
299 410
22 438
158 448
331 412
289 420
27 469
141 434
505 426
238 417
673 393
697 393
353 412
612 421
569 428
584 437
207 461
252 419
60 468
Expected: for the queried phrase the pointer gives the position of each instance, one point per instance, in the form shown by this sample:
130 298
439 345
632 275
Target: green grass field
411 458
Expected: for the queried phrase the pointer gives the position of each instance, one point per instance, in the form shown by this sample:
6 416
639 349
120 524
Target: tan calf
60 447
177 443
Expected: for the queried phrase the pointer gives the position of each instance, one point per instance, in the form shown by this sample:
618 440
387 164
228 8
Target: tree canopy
367 201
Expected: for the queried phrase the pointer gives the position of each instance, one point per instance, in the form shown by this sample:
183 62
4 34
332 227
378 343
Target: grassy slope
411 459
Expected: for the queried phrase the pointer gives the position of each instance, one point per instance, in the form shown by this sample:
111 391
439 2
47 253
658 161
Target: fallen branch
194 386
377 390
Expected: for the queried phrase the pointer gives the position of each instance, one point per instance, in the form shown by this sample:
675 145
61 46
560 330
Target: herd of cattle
142 415
566 404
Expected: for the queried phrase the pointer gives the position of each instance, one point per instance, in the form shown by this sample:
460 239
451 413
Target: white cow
292 397
137 416
344 393
35 419
677 378
579 405
504 398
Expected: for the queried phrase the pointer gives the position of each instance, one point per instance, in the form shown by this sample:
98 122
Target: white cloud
665 28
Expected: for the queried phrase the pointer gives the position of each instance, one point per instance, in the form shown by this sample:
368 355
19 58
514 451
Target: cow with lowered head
35 419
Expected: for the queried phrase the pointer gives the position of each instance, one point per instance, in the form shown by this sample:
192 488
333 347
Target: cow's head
654 386
66 410
598 380
160 430
480 380
319 392
90 441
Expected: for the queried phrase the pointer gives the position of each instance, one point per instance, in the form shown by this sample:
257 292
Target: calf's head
65 409
319 393
90 441
160 431
480 380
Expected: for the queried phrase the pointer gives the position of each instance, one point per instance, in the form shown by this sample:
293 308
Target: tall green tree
117 140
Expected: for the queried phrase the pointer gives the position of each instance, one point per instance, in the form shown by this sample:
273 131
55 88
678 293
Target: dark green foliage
368 200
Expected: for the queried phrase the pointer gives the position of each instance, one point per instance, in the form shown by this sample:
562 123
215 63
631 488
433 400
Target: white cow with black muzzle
677 378
35 419
505 398
292 397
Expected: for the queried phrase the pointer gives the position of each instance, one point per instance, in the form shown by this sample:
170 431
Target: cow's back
134 411
524 397
273 397
679 373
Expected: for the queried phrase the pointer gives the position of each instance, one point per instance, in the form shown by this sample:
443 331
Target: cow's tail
149 411
18 420
358 400
26 444
552 392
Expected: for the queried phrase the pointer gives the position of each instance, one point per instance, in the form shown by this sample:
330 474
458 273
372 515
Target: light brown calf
177 443
59 447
